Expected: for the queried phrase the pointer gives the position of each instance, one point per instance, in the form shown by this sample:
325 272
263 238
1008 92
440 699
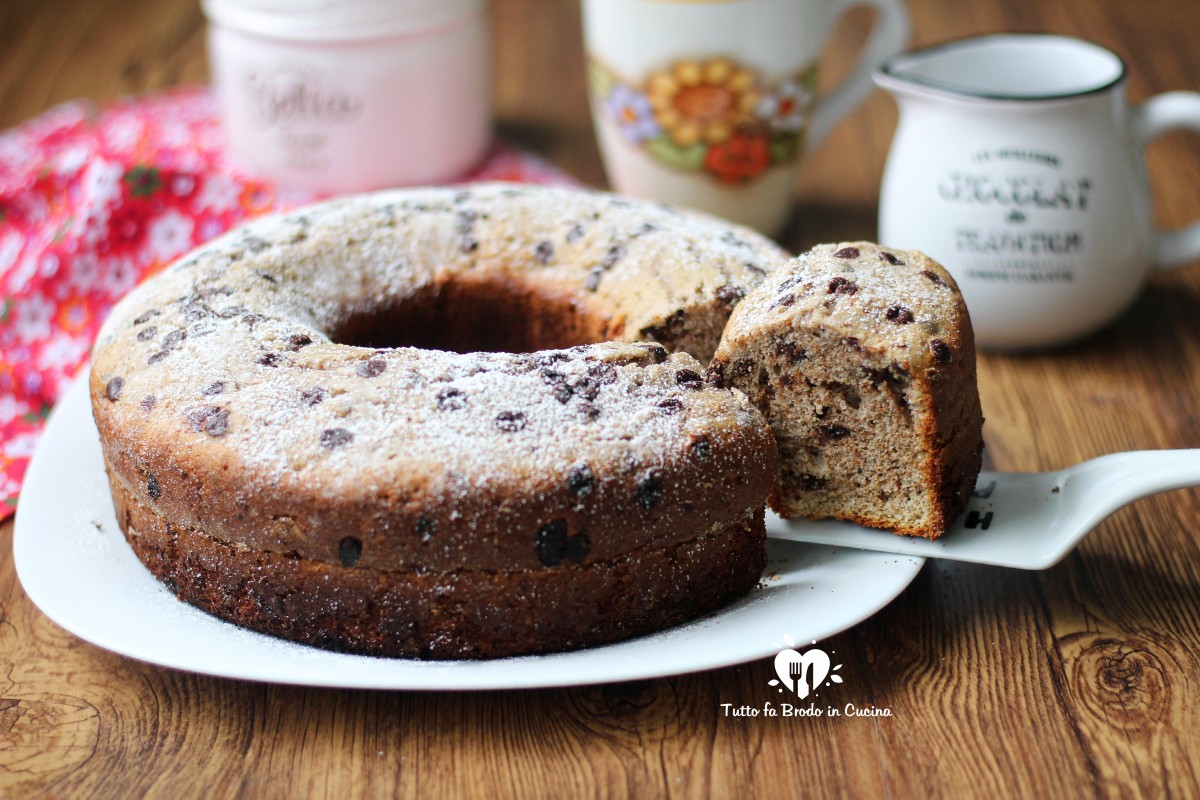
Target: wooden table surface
1080 680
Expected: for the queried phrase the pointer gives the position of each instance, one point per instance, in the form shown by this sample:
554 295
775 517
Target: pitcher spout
1003 68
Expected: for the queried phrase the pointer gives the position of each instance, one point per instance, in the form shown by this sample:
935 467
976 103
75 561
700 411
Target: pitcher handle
889 36
1159 114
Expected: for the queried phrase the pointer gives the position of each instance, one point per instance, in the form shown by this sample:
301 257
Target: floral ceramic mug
712 103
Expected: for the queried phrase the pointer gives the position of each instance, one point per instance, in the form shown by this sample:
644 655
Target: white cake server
1027 520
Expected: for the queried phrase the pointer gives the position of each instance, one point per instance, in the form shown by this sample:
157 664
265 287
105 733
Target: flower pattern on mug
786 107
710 115
740 158
702 101
633 113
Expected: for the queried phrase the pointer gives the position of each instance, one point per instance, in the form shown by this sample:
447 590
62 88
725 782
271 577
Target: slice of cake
862 358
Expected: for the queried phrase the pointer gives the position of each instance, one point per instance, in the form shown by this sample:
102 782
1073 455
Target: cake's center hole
470 314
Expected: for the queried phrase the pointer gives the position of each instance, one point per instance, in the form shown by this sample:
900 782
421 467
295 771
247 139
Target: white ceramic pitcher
1018 164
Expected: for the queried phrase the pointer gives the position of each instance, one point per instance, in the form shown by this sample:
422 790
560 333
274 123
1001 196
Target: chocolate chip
148 402
552 544
451 399
614 254
840 285
349 551
742 367
194 309
933 276
549 360
669 329
468 245
603 373
544 252
729 237
811 483
268 277
593 280
941 351
113 389
589 411
715 374
790 350
213 389
426 528
783 301
648 489
314 396
212 420
270 360
229 312
174 339
371 368
201 329
575 234
689 379
729 295
671 405
217 423
884 255
580 481
833 433
587 388
657 351
510 421
700 448
298 340
899 315
563 392
145 316
336 437
847 252
253 319
148 333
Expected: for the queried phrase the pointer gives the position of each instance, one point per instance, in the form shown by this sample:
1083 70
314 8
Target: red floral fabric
93 201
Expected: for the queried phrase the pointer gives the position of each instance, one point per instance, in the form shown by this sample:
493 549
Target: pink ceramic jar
343 96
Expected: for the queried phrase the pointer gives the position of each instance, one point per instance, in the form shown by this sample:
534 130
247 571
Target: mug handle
888 37
1159 114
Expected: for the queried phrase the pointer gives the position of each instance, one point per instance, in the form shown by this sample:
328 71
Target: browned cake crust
264 413
448 615
862 358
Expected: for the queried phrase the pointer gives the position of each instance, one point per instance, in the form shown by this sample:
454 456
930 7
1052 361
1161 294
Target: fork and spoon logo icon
804 673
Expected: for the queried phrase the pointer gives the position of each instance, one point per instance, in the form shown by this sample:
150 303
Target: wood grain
1082 680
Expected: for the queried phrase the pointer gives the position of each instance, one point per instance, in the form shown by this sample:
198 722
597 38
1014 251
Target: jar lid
336 20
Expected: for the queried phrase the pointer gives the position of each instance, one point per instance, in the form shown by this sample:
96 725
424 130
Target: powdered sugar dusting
227 357
888 299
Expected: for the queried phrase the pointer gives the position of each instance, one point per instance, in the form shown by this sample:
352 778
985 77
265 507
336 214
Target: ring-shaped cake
442 423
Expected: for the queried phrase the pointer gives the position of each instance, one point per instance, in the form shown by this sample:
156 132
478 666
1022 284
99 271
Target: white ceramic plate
75 565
